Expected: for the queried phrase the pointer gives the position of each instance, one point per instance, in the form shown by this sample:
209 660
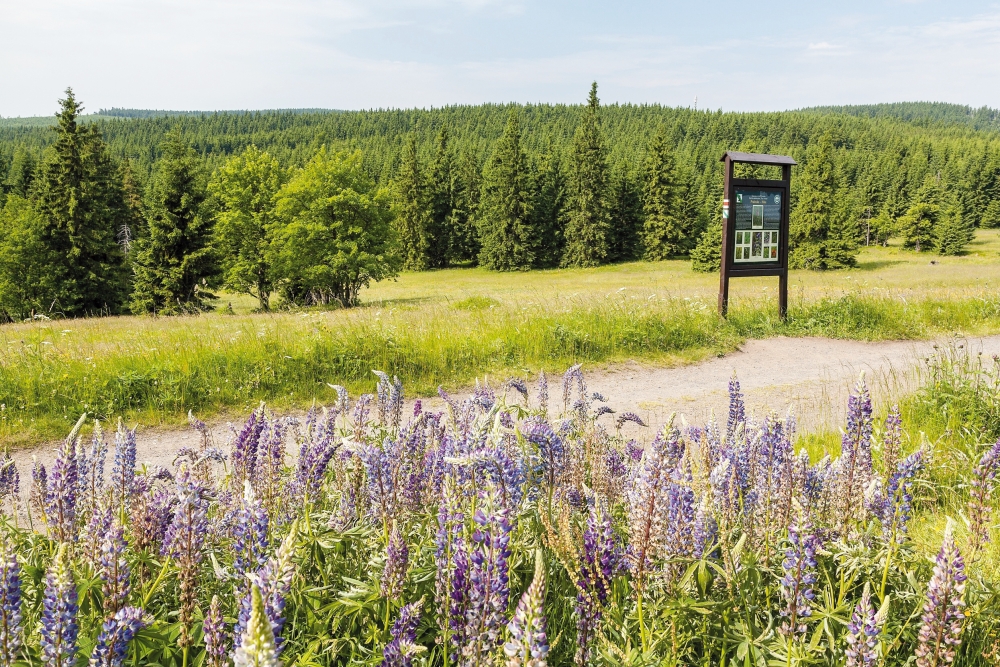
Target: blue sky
354 54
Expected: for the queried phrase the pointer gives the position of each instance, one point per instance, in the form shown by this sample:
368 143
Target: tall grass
155 370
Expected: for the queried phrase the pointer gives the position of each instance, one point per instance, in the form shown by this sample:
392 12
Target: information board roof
757 158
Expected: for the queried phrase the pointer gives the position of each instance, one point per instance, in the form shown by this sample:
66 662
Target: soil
810 376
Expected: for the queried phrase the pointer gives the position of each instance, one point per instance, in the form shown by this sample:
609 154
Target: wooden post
726 250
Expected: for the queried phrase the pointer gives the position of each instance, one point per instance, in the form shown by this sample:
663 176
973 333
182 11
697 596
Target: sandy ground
812 376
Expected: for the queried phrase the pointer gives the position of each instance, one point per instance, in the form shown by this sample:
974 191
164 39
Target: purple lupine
216 635
602 560
678 535
737 410
123 469
941 623
856 454
862 634
318 447
983 483
601 411
448 541
647 500
251 535
725 494
273 581
60 500
90 469
39 488
899 499
59 609
400 651
800 575
152 513
114 569
518 385
185 543
704 529
543 393
892 440
528 645
574 373
382 492
267 478
551 449
628 417
418 407
10 605
506 473
634 450
10 479
244 449
489 584
615 465
116 633
397 559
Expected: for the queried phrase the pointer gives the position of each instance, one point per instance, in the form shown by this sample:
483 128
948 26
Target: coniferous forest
149 212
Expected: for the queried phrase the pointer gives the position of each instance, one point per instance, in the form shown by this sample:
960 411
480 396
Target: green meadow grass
451 327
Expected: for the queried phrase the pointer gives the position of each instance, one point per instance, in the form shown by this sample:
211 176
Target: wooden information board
755 225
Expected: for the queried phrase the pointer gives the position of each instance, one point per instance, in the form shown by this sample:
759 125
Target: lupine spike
397 559
59 627
528 644
11 638
941 623
400 650
800 575
115 570
256 647
862 633
116 633
983 483
214 630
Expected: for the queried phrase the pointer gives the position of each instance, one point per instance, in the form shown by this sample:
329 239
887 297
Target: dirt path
811 375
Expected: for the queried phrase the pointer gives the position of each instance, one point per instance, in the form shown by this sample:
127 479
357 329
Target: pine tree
441 203
78 195
588 224
505 234
821 236
464 245
625 214
954 231
548 218
412 214
920 225
20 173
663 229
174 260
707 255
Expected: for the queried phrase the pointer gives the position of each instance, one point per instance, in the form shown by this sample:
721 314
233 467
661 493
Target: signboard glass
758 225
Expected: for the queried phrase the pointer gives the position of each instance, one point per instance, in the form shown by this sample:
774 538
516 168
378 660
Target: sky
360 54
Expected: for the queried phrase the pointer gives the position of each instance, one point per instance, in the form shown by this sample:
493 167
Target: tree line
152 214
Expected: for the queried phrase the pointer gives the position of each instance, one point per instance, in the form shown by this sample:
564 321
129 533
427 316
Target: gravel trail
812 376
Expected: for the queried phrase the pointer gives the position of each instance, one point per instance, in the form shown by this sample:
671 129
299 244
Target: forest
149 211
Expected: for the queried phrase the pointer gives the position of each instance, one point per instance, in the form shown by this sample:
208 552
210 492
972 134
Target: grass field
449 327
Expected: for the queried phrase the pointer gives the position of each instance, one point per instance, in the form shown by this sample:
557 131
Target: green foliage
25 279
506 207
819 237
588 224
442 206
707 255
78 196
917 226
624 214
174 259
991 216
549 208
243 190
664 231
412 219
20 173
333 234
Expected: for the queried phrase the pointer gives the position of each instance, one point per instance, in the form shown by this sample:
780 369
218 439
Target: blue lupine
862 634
10 605
551 449
381 482
628 417
273 581
737 411
800 576
123 469
251 535
116 633
216 636
61 497
602 560
489 585
856 454
244 450
983 483
59 627
400 650
941 623
185 542
114 569
255 641
397 559
528 645
899 501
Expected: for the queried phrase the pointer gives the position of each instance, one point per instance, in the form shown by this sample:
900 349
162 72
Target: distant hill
116 112
920 113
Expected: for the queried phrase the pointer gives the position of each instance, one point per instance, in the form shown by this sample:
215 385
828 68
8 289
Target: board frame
729 268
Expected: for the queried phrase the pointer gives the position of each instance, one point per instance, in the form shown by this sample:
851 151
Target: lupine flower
892 439
528 645
543 392
418 407
983 482
518 385
800 575
603 410
59 609
447 542
256 641
400 651
10 605
250 534
114 569
60 500
123 469
116 633
10 479
274 580
704 530
381 481
244 450
941 623
574 373
184 541
862 633
39 488
628 417
737 411
647 499
602 560
397 558
551 449
856 454
898 507
634 451
216 640
315 453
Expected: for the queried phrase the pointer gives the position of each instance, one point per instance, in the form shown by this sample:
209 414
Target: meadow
452 326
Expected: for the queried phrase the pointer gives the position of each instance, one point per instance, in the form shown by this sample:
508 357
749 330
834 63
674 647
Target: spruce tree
505 215
441 203
174 260
707 255
663 230
412 211
548 218
821 236
588 224
20 173
79 198
625 214
464 246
